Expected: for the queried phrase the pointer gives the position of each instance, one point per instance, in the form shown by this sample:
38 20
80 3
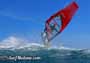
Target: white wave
17 43
20 43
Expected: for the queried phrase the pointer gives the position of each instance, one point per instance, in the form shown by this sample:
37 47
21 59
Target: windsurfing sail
59 21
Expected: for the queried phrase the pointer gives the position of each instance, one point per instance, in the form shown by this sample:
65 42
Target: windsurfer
53 28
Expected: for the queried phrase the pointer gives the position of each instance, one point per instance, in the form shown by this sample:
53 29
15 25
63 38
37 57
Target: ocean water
38 54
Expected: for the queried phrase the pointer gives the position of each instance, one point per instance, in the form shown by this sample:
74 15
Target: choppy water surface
39 54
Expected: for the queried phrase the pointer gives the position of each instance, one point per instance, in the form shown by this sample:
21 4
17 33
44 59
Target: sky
26 19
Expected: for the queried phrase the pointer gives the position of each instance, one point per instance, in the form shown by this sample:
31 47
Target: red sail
55 26
66 15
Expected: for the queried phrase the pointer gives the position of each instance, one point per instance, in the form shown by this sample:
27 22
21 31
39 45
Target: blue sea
38 54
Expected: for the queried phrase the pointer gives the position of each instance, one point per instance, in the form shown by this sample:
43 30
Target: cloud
12 42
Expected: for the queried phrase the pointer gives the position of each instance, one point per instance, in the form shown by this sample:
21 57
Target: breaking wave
13 46
13 43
